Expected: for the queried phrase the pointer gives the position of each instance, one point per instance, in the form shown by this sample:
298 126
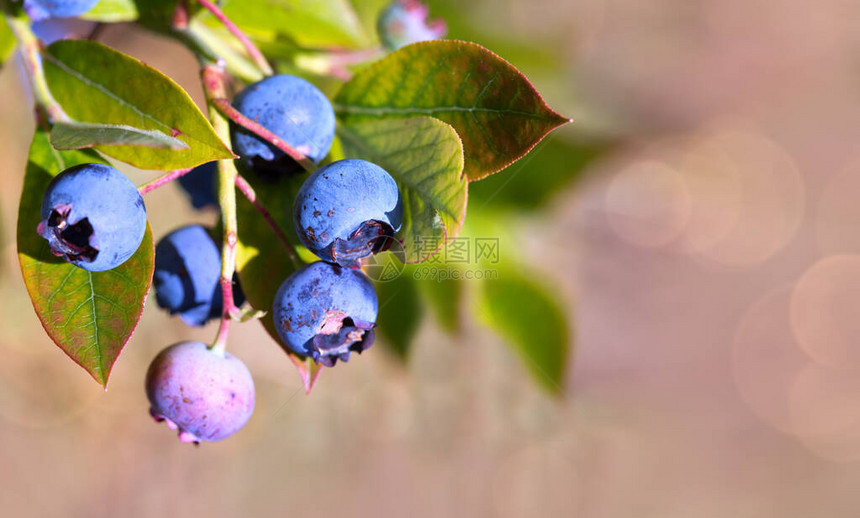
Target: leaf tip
309 372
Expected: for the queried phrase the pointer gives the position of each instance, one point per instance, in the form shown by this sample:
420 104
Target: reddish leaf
89 315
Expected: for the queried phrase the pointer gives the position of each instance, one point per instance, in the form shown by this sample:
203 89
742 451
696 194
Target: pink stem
249 193
229 308
213 84
252 49
162 180
236 116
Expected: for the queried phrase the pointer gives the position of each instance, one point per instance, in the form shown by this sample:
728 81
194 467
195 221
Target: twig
213 84
202 40
48 110
246 42
249 193
163 180
256 128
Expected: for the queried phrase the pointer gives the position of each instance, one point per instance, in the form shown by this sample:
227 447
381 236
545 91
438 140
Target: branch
213 84
163 180
249 193
208 46
256 128
48 110
246 42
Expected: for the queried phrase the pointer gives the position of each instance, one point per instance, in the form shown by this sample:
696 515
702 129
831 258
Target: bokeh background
709 259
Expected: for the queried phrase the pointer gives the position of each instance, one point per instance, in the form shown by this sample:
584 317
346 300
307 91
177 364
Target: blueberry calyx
71 241
339 337
184 435
371 237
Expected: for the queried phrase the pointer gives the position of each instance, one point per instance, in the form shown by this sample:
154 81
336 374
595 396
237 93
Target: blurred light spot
539 480
716 192
825 408
767 360
824 311
769 208
838 213
648 204
823 401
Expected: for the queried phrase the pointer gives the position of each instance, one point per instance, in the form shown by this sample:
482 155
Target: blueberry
347 210
291 108
201 185
41 9
405 21
206 395
326 312
93 217
187 275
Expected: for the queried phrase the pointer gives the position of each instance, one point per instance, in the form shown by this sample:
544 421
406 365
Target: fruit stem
213 84
246 42
251 195
163 180
48 110
236 116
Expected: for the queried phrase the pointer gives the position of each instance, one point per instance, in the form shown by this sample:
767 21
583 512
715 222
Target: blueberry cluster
95 218
344 211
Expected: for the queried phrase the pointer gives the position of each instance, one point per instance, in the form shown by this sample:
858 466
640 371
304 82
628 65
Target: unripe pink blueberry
205 394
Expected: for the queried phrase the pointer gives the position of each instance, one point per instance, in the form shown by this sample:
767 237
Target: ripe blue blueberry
93 217
326 312
41 9
405 21
187 274
347 210
205 394
291 108
201 185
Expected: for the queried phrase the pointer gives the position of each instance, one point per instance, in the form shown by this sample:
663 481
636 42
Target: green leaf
112 11
89 315
400 312
310 23
528 316
99 85
425 157
81 135
7 41
262 262
495 110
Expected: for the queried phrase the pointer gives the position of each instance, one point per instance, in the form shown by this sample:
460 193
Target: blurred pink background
712 268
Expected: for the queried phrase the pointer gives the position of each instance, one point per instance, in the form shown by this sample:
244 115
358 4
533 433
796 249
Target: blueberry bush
341 142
